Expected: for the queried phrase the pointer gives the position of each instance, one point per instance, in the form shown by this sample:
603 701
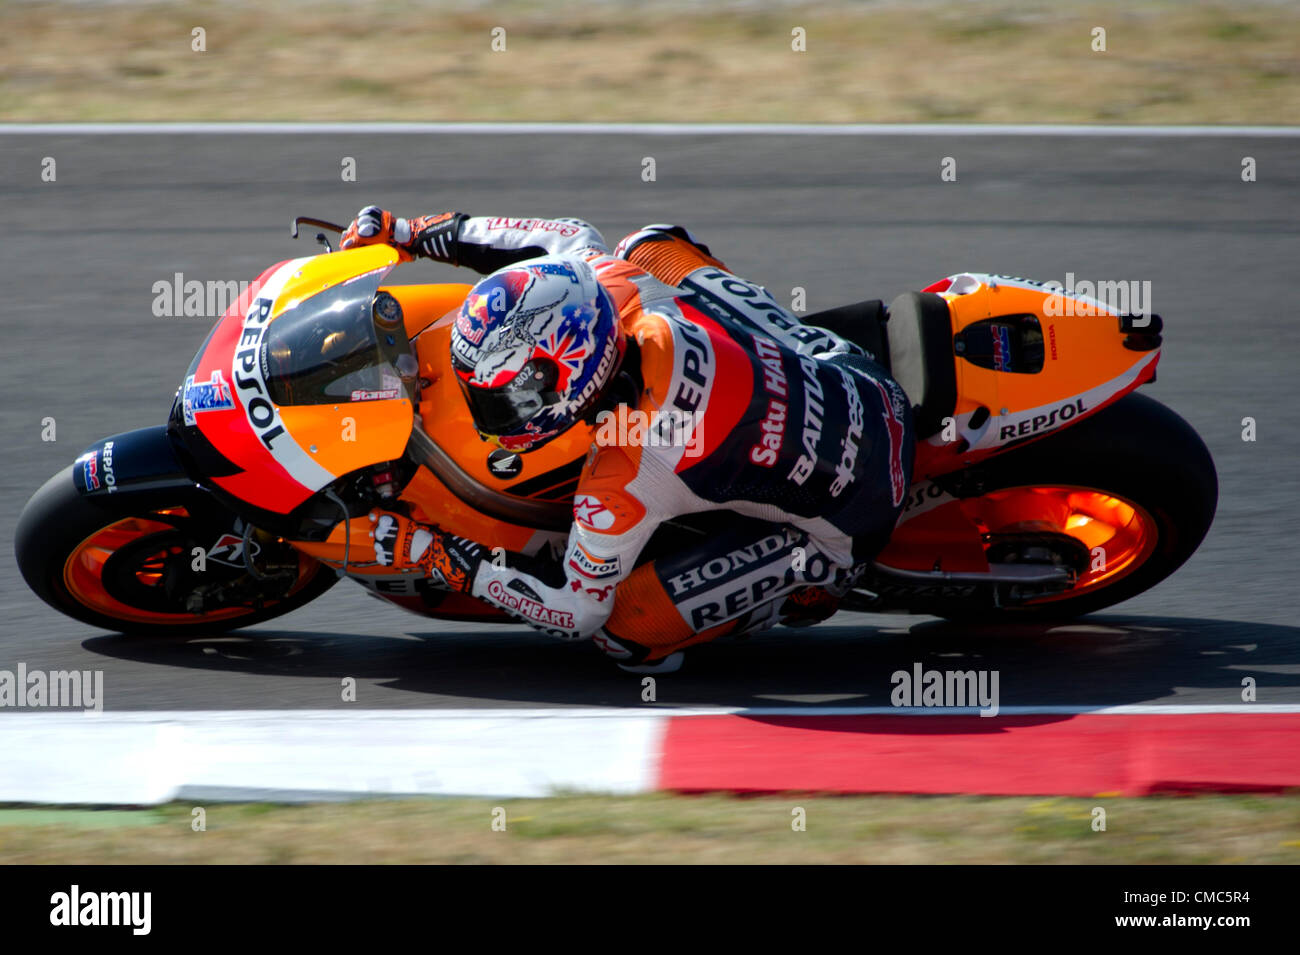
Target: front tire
114 562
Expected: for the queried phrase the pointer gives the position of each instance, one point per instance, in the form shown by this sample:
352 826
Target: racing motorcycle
1044 485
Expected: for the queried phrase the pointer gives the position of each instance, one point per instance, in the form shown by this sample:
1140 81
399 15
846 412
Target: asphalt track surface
844 217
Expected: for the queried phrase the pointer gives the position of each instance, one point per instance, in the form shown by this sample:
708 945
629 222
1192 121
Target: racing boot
632 657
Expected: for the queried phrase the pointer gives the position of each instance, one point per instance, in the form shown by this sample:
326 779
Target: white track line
139 758
640 129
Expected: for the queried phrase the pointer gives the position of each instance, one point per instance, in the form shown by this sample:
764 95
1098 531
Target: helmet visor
508 408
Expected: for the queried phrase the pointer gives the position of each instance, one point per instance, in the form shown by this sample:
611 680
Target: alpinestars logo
588 510
892 412
845 468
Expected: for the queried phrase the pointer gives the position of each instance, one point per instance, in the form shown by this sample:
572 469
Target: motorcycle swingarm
885 589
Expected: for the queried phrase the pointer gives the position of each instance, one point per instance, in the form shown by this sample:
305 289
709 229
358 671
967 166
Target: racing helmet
534 346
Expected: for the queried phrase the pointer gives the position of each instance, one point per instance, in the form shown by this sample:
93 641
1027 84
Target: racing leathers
727 403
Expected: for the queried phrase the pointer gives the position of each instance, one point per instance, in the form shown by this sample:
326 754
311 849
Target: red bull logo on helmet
489 302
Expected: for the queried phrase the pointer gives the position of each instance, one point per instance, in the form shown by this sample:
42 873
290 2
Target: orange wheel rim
1118 533
83 573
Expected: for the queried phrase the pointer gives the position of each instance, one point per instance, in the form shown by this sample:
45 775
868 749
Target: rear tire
1137 450
59 519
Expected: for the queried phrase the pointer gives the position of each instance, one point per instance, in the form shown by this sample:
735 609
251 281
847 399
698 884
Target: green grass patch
662 828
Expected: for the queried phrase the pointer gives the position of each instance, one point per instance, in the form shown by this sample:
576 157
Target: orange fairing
351 435
1081 352
344 437
319 272
433 503
546 474
423 305
1085 367
943 536
284 454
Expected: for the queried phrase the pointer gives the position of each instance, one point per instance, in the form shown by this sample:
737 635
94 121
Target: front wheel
1125 496
132 563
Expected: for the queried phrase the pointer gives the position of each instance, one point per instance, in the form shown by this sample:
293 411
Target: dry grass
1166 62
667 828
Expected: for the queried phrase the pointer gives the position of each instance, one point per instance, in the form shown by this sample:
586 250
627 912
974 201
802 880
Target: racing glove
433 237
403 544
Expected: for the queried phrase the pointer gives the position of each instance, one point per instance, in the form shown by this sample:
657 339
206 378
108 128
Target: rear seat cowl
919 332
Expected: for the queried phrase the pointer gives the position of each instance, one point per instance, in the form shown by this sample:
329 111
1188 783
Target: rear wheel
128 563
1124 498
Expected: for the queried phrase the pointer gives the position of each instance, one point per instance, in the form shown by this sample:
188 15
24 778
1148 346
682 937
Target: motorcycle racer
709 396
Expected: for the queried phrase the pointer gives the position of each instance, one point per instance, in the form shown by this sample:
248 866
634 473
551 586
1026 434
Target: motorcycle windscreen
342 344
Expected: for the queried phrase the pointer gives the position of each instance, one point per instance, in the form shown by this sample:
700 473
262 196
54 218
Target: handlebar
318 223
